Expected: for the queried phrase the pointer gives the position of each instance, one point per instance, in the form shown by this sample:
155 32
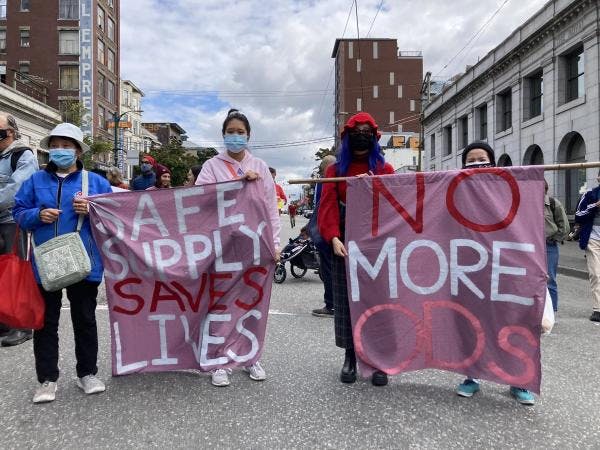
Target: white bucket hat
67 130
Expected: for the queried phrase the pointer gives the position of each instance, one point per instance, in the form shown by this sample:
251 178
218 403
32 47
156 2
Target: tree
175 158
323 152
204 154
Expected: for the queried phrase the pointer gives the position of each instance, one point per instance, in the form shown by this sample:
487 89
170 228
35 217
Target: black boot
379 378
16 337
348 374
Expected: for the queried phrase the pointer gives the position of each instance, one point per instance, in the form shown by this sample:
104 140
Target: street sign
111 124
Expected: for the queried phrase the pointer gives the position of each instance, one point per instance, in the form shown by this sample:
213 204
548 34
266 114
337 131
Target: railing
29 86
410 54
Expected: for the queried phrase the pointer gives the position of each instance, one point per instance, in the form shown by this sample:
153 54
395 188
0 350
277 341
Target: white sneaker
220 377
90 384
256 372
45 393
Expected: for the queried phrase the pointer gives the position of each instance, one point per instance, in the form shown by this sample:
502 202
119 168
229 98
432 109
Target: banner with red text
447 270
188 275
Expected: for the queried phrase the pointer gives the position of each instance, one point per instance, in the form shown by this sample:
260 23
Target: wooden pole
570 166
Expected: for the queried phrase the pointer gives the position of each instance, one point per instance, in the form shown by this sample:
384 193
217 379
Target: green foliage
176 159
98 146
205 154
323 152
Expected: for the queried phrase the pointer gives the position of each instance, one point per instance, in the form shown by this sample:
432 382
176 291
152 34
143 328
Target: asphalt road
302 404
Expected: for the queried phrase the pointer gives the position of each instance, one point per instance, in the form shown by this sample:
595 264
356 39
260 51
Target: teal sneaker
467 388
523 396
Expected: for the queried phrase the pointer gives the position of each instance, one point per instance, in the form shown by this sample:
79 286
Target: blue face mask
146 167
235 143
62 157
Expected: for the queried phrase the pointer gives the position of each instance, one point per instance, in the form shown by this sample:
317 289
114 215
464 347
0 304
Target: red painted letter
248 281
118 290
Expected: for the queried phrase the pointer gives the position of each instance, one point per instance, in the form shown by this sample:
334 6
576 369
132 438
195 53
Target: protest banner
188 275
447 270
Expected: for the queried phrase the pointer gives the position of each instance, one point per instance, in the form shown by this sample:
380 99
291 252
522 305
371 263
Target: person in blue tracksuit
49 204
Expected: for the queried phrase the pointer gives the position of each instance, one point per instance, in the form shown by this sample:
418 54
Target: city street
302 404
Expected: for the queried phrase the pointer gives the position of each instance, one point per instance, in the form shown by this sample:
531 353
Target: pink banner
188 275
447 270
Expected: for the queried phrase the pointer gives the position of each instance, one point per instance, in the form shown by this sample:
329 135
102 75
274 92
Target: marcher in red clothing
281 198
292 213
360 155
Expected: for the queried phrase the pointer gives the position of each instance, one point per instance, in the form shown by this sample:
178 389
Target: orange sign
111 124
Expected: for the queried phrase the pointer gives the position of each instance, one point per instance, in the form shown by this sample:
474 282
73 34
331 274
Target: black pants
82 297
326 256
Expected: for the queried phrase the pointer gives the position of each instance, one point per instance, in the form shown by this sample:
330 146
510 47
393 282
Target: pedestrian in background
192 175
360 154
234 163
49 204
147 178
589 240
324 249
17 163
292 213
114 177
475 156
163 177
281 198
556 227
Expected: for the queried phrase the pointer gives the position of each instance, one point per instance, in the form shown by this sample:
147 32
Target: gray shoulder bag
63 260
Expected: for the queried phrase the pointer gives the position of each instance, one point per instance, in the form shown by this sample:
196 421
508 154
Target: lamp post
116 121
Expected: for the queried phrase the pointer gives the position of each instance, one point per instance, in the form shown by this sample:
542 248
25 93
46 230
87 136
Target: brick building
66 51
372 75
166 132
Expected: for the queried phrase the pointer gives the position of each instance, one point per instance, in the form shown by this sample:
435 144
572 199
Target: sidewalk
572 260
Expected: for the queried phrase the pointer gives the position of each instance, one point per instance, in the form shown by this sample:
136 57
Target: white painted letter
255 239
182 211
356 257
443 265
207 339
146 202
498 270
222 203
164 359
249 334
457 272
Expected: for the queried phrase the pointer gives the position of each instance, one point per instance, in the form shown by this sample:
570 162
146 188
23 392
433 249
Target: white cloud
240 48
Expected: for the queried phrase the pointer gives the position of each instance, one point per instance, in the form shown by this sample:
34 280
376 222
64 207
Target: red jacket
329 214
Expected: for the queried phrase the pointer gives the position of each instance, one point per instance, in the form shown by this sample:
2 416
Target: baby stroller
302 255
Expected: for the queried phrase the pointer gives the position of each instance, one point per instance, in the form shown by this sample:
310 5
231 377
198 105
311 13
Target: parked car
307 213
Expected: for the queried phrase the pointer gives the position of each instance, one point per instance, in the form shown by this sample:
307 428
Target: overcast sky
271 59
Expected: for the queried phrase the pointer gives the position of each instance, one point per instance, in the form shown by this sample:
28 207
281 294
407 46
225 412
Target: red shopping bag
21 304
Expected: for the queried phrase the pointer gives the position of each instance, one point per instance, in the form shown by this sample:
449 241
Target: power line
375 17
474 36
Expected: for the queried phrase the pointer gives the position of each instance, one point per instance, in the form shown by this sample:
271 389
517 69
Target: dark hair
235 114
344 157
73 141
196 171
12 123
483 146
273 171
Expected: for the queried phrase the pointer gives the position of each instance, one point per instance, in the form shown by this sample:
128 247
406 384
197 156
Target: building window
2 40
68 42
358 65
2 9
432 146
412 105
392 80
464 131
110 3
24 5
100 51
101 118
399 128
534 90
110 91
482 119
575 74
359 104
68 9
101 84
447 136
100 18
69 77
125 97
24 34
110 29
392 117
375 50
375 91
350 50
504 110
111 60
399 91
24 70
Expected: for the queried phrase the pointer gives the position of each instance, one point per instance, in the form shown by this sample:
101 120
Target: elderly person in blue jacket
589 240
49 204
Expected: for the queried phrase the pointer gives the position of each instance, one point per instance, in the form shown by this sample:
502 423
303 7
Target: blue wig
344 157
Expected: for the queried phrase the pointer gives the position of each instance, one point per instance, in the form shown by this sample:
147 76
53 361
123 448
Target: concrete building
372 75
402 151
133 140
166 132
534 98
70 48
34 118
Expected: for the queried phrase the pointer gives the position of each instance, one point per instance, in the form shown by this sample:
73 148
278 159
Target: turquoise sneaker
467 388
523 396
